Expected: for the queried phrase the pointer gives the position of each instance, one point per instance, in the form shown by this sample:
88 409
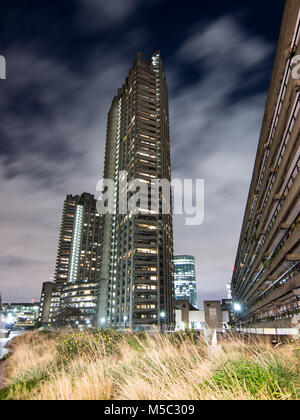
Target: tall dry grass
90 366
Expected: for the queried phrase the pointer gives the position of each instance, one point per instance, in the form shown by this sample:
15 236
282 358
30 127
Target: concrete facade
213 314
266 279
136 278
45 307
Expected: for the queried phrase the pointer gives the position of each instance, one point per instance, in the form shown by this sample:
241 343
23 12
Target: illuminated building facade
136 279
78 260
266 279
79 244
20 315
185 279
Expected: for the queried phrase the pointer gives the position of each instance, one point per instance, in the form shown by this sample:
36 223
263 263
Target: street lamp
102 320
162 318
237 307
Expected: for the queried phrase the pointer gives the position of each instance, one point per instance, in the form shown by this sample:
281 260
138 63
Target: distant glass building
185 279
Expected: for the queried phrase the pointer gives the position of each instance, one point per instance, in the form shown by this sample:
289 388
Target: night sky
65 62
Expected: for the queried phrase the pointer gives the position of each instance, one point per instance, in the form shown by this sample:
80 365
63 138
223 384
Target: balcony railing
286 236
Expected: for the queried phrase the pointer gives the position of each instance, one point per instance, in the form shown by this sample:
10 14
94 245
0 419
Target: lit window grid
76 243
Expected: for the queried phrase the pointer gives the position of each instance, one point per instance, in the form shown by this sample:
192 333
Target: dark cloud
11 261
97 15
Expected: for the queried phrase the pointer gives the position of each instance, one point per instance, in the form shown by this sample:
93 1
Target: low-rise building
214 316
20 315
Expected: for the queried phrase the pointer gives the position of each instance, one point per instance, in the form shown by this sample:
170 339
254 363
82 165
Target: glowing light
237 307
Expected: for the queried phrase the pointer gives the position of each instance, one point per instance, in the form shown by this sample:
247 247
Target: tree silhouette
67 317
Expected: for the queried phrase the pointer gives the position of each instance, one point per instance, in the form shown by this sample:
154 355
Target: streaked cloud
215 137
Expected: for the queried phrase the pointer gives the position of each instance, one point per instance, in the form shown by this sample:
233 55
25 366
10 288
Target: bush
273 380
73 344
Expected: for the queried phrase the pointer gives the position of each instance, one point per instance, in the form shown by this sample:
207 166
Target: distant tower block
185 279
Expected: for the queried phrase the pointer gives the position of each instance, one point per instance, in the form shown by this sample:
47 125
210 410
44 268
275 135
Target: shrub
274 380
